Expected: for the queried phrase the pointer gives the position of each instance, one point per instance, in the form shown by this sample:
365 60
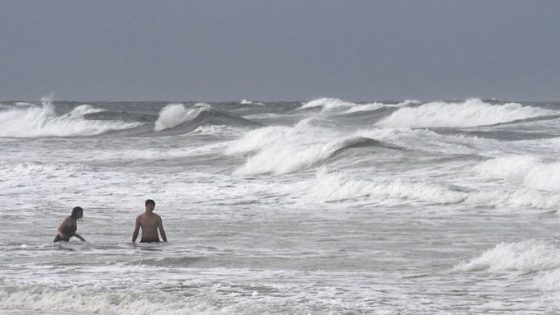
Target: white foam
375 106
24 104
526 256
82 300
427 140
174 115
218 130
248 102
334 104
281 159
80 111
334 186
281 150
33 121
470 113
257 139
328 104
528 171
522 198
32 170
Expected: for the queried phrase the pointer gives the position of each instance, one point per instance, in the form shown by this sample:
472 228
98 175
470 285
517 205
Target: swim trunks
57 238
150 241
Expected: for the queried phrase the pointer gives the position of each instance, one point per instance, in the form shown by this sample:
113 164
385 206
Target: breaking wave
527 171
281 150
83 300
537 259
32 121
526 256
174 115
176 118
334 104
334 186
469 113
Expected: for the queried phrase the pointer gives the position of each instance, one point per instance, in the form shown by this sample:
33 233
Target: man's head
77 213
150 205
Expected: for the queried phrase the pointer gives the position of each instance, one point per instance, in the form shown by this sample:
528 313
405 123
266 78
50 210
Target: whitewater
320 207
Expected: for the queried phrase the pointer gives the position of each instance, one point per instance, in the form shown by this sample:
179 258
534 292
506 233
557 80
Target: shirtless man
150 223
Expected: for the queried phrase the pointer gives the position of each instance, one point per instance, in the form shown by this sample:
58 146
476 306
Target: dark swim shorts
150 241
57 238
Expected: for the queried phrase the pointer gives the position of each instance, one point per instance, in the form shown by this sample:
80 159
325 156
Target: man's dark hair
150 202
75 212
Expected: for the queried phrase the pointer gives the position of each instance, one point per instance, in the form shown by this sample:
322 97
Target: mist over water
326 206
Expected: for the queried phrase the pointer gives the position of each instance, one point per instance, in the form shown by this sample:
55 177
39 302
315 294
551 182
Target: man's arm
136 229
161 231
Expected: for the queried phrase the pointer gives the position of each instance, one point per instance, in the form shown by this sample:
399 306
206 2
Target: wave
281 150
91 301
550 281
328 104
218 131
538 259
33 169
527 171
470 113
120 116
31 121
522 181
334 104
249 102
335 186
526 256
174 115
175 118
428 140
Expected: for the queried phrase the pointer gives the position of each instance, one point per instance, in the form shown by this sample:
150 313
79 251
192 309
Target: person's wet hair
76 212
150 202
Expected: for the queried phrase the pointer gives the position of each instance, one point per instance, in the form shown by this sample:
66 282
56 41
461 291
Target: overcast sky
279 50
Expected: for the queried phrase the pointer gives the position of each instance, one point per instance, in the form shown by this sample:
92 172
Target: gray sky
279 50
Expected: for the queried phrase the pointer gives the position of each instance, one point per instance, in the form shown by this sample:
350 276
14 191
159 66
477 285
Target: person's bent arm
162 231
78 236
136 230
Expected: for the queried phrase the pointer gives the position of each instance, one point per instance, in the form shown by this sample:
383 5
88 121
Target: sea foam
527 171
32 121
470 113
174 115
331 186
82 300
526 256
345 107
281 150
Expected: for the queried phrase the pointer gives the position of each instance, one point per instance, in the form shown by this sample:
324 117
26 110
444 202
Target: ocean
320 207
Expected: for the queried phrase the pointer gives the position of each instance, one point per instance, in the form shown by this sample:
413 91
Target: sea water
320 207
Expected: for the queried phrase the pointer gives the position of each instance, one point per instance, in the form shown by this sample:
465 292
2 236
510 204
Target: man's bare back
150 224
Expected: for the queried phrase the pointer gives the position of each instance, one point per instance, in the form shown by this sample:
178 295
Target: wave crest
174 115
335 104
469 113
32 121
526 256
528 171
281 150
333 186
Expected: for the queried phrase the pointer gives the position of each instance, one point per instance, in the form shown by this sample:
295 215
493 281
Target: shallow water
320 207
